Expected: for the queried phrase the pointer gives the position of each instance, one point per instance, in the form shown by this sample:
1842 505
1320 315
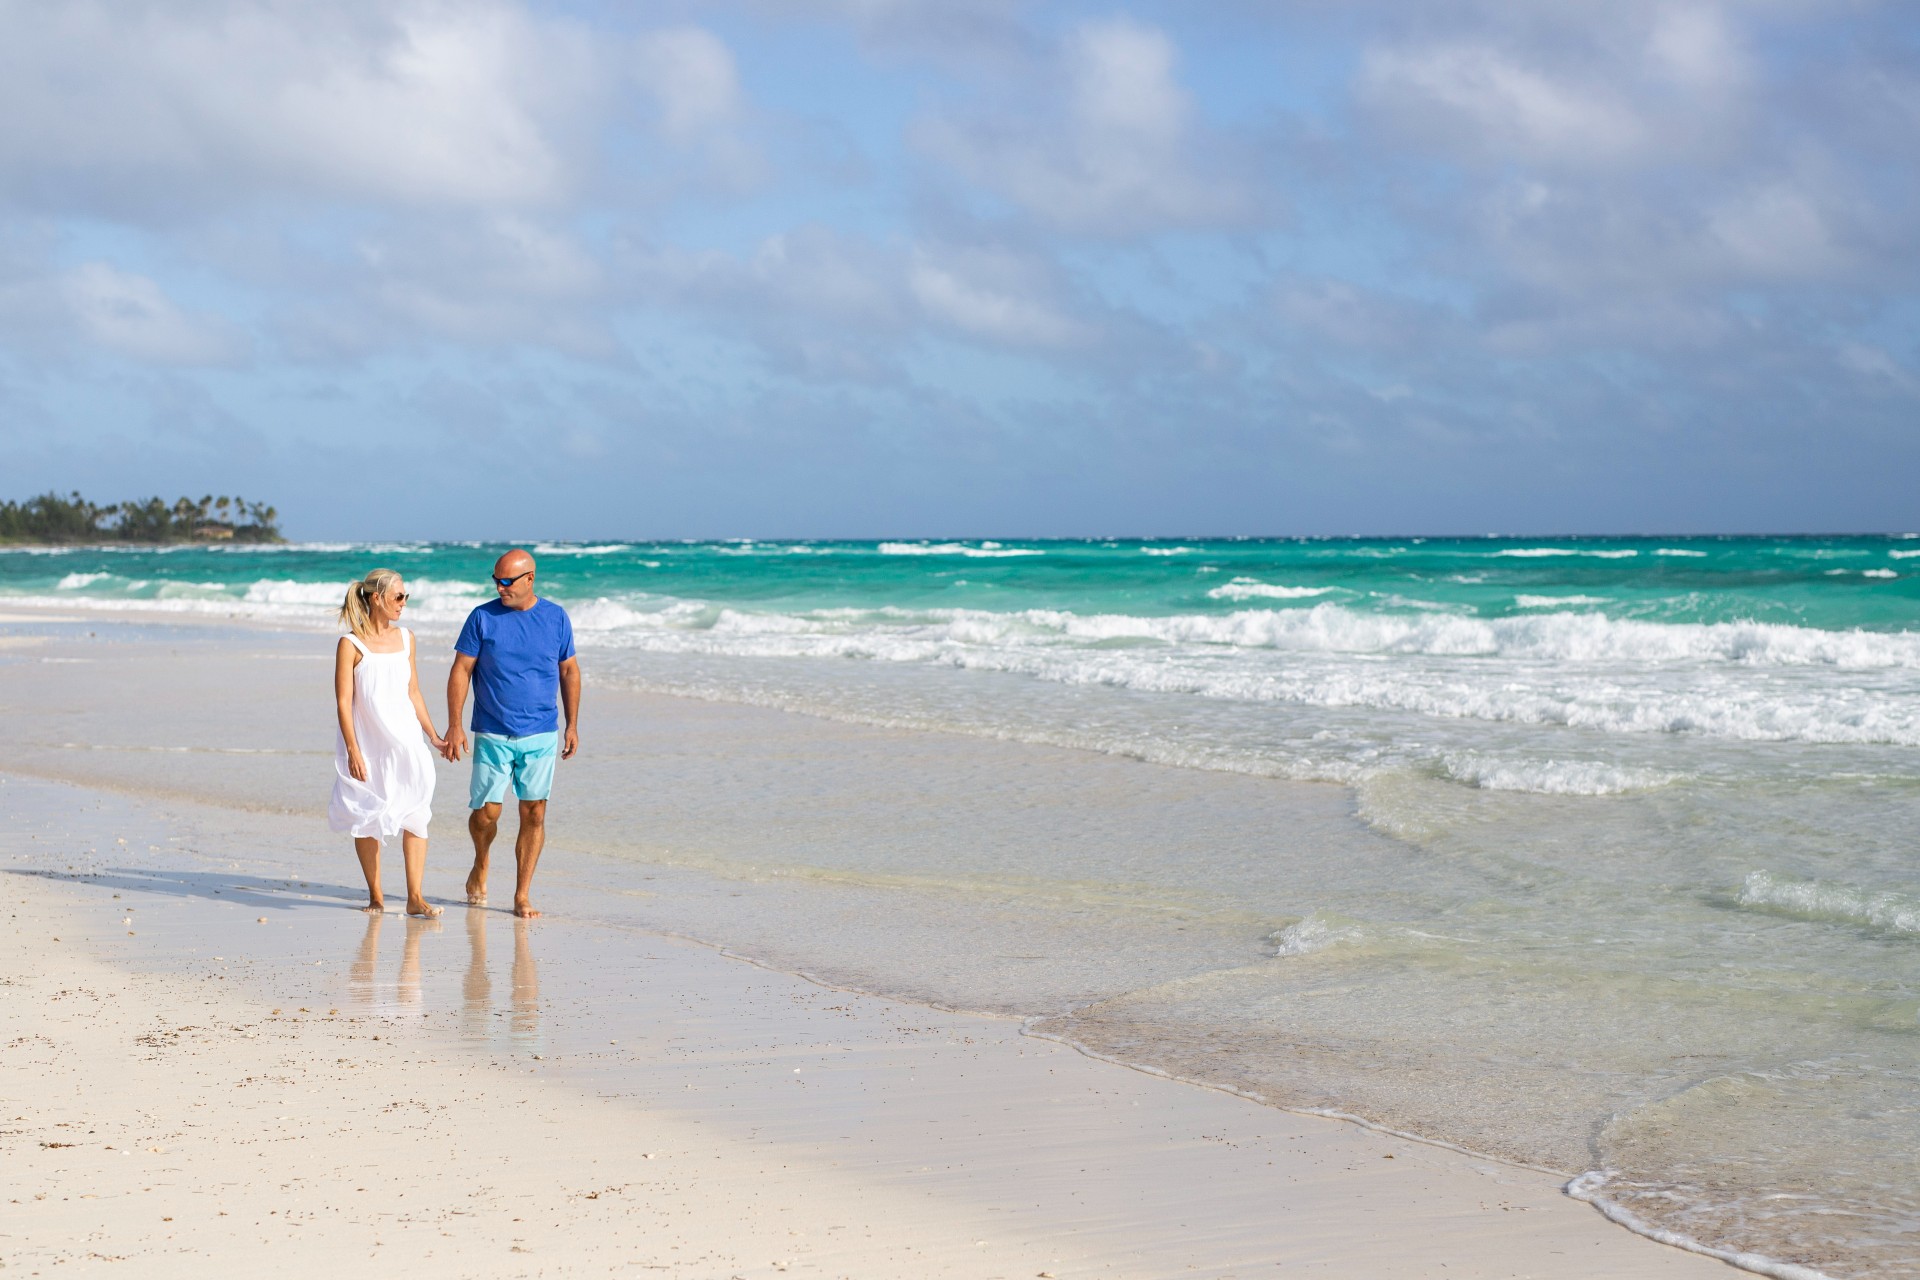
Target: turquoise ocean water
1635 820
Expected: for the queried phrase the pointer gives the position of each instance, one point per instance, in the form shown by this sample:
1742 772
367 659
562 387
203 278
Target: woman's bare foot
523 907
375 906
422 908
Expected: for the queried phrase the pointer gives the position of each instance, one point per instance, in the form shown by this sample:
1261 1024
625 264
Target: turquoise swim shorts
526 762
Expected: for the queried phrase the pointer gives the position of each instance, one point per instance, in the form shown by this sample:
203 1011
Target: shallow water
1618 874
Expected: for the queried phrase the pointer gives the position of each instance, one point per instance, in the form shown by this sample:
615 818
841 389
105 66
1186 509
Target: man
516 653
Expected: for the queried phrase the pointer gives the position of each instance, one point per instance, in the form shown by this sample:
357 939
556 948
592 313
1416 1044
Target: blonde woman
383 770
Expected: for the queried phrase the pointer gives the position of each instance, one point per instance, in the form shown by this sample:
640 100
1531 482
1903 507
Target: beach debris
262 920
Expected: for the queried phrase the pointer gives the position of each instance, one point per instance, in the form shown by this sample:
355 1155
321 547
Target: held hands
454 745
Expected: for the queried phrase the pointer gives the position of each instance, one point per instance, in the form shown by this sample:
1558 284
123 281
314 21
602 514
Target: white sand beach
214 1064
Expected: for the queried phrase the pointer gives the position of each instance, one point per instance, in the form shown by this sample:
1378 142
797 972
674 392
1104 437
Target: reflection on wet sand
526 984
477 989
363 978
362 986
523 1006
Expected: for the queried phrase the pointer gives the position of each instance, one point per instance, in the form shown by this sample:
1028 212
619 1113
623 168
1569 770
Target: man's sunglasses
507 582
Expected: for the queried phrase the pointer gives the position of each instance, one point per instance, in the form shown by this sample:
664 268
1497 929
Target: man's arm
570 703
459 680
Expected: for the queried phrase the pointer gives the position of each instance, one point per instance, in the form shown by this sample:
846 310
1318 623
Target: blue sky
876 267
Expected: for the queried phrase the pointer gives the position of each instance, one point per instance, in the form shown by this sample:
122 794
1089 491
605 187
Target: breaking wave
1249 589
1827 901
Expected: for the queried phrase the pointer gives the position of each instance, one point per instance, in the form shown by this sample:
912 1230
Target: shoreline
1546 1191
968 1149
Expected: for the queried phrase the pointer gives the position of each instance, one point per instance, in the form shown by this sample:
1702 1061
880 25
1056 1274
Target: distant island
52 519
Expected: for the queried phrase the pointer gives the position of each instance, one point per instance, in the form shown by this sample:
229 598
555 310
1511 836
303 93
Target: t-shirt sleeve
566 636
469 641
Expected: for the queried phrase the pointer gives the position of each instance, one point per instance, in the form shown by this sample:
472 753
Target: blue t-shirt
516 675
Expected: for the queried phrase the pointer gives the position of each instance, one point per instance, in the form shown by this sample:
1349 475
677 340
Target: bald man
516 654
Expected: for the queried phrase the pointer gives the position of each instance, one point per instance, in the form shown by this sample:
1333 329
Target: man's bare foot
523 907
422 908
477 889
375 906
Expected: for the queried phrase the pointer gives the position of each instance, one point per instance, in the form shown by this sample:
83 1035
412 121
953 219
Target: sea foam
1554 777
1538 552
1828 901
1251 589
984 550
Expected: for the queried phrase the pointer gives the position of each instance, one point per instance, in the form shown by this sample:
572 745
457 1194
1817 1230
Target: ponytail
356 611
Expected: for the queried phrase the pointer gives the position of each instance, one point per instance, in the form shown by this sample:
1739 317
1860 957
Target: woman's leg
415 850
369 850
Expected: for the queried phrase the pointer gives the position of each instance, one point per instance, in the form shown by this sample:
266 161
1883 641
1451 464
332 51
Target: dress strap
406 642
355 641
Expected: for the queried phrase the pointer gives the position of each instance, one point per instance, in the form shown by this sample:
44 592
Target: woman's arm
345 659
420 703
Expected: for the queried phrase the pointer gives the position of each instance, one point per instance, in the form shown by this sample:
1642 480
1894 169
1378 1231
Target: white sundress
398 793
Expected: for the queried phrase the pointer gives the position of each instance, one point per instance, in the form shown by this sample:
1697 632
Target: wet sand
220 1063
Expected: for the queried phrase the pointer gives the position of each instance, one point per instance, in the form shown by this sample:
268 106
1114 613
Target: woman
383 783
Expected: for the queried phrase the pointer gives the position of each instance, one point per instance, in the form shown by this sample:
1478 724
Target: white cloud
1777 232
1121 150
971 34
135 105
1695 48
1344 314
503 278
131 315
991 295
1489 101
691 73
1592 90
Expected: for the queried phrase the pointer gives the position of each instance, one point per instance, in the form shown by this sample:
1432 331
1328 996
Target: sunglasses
507 582
399 597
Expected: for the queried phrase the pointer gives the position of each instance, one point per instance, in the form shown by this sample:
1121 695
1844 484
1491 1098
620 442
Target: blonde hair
357 610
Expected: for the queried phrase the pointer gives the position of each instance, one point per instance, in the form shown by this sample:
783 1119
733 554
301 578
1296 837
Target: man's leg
483 824
486 789
526 854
